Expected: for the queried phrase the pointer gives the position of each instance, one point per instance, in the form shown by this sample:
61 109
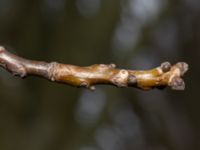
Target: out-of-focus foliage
137 34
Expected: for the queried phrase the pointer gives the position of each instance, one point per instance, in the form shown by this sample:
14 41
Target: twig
162 76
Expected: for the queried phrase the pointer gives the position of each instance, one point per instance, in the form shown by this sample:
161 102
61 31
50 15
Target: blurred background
134 34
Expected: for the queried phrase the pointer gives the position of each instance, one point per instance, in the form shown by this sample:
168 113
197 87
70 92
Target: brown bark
162 76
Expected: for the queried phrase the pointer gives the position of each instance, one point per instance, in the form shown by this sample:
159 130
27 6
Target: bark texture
159 77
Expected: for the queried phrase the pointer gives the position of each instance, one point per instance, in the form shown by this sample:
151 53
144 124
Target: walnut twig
159 77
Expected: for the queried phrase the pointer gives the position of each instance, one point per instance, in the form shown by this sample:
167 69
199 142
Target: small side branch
159 77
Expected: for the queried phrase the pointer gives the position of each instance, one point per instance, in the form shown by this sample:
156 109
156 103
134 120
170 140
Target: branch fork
159 77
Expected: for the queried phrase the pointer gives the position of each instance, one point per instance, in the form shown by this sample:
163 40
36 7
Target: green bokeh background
134 34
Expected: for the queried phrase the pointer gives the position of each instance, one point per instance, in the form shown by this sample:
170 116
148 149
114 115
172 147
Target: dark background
135 34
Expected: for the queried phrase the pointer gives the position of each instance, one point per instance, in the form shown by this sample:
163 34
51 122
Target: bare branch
162 76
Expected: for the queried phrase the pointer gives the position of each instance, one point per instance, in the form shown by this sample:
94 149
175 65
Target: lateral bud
84 84
166 66
112 65
132 80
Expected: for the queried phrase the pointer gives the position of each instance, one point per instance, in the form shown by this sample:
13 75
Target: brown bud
166 66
